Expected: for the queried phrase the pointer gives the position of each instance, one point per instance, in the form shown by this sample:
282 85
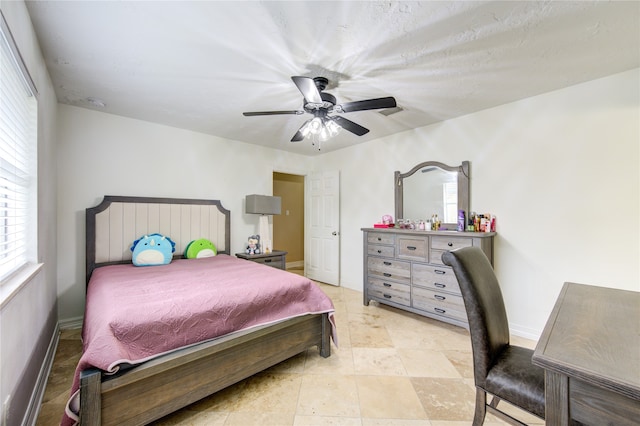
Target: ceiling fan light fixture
315 126
332 127
319 103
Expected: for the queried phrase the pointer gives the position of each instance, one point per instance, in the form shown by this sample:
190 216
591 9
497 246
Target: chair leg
481 407
494 402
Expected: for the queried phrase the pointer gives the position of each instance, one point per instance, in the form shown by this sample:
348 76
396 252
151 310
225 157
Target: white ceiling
198 65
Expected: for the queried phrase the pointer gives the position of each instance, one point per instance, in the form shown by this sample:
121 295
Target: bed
137 389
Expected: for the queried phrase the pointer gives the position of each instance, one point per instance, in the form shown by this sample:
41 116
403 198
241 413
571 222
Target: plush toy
200 248
254 245
152 249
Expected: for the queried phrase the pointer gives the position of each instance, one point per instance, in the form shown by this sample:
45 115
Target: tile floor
390 368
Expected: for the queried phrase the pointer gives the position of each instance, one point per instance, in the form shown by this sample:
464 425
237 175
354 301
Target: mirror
433 188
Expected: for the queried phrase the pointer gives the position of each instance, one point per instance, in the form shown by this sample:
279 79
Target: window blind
18 158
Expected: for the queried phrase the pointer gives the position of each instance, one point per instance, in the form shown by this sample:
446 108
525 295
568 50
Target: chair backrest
483 302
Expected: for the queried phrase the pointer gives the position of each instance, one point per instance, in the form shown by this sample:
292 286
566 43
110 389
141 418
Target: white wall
560 172
103 154
28 319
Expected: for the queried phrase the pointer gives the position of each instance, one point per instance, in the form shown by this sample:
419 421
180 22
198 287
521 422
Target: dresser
404 269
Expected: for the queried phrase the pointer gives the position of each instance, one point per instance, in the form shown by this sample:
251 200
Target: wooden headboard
113 225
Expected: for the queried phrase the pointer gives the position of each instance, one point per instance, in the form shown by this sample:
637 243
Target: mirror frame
463 187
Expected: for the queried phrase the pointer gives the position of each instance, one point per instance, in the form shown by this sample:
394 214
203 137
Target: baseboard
297 264
31 415
71 323
526 332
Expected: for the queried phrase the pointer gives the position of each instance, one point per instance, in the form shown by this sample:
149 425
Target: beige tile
269 392
342 325
51 413
340 362
487 422
378 361
366 333
326 421
264 392
328 395
391 368
427 363
258 418
462 361
429 336
334 292
385 397
519 414
445 399
395 422
522 341
192 418
71 334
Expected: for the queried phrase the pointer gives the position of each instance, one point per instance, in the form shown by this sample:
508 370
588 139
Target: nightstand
276 258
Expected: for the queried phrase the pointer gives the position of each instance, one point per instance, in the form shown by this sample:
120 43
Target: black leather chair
501 370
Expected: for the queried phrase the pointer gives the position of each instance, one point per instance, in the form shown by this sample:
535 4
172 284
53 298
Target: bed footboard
157 388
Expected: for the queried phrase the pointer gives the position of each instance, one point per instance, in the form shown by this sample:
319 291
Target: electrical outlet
5 409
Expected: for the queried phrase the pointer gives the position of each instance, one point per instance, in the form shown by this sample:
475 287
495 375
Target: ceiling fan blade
308 89
299 136
350 125
377 103
253 113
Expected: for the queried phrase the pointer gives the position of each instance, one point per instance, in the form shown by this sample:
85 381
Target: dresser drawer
449 243
380 238
440 303
442 243
389 269
276 262
389 291
438 278
414 248
378 250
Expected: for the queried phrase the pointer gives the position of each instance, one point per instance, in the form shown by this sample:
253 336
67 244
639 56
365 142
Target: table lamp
264 205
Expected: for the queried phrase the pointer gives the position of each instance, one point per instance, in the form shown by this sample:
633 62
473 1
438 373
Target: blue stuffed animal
152 249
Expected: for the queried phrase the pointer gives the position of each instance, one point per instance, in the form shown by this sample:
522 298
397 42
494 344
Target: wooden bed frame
161 386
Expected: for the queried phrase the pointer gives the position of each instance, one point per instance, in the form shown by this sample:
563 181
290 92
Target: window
450 200
18 159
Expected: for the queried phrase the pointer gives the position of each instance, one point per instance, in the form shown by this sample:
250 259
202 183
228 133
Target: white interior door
323 227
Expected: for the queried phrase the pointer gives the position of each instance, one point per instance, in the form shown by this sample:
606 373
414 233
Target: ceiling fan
321 104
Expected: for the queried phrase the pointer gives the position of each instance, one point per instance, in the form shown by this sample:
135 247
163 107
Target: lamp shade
262 204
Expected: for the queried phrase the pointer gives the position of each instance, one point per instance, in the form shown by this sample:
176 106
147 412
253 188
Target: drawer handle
387 263
440 311
387 296
386 274
379 239
411 247
379 251
267 260
437 296
386 284
450 244
439 285
439 272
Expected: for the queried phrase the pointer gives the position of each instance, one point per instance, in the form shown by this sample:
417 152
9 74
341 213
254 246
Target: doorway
288 227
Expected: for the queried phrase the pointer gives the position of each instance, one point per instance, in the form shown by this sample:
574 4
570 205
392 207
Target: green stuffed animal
200 248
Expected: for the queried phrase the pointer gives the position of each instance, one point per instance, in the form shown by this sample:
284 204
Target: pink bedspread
134 314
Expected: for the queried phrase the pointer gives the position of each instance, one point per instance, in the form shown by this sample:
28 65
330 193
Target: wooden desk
590 351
